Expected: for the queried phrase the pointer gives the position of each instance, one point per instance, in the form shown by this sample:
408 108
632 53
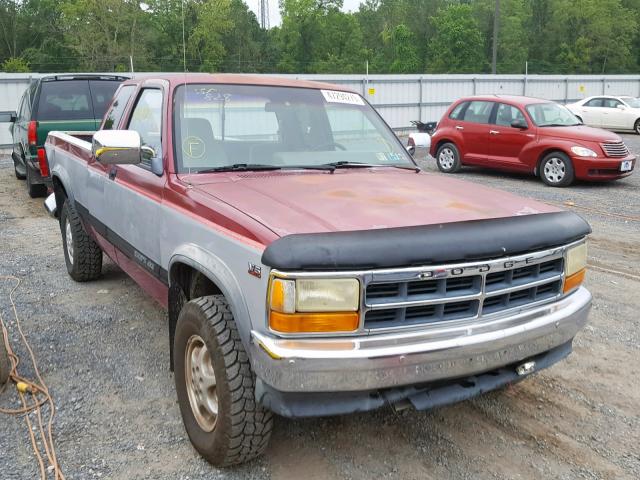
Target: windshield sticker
331 96
392 157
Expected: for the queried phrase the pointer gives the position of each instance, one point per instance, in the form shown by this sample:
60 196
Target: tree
593 36
457 44
15 65
402 44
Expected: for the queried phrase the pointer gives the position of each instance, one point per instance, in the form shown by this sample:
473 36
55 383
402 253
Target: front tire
636 126
556 170
215 385
448 158
81 253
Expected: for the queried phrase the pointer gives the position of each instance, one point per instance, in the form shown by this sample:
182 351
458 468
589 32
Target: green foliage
15 65
316 36
456 46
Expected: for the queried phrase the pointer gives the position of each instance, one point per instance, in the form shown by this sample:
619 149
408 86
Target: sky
274 11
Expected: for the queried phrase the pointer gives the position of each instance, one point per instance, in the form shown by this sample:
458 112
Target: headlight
583 151
575 263
314 305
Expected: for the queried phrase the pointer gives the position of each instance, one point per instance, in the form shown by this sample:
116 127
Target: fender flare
220 274
63 177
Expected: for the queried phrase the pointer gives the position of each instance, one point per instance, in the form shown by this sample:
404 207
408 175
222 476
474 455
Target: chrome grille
615 149
465 292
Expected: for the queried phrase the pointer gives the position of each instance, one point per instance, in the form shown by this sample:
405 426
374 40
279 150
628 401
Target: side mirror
522 125
411 149
113 147
8 117
621 107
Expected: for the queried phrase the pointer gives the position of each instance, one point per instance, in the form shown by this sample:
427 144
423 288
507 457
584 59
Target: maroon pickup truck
307 265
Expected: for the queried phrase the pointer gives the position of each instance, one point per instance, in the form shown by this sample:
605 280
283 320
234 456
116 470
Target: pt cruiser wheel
448 158
215 385
556 170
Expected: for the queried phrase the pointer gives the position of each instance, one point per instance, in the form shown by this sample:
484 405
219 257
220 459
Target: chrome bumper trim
406 358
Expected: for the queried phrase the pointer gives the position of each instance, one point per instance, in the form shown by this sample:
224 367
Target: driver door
133 193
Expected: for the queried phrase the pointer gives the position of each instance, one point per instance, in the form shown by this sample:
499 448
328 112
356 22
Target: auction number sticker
333 96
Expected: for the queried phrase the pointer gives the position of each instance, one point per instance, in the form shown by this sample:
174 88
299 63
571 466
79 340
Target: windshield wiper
240 167
561 125
347 164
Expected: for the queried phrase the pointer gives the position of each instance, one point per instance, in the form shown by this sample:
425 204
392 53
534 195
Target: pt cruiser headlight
575 264
583 151
308 305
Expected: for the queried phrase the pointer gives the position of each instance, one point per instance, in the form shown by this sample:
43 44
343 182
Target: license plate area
626 166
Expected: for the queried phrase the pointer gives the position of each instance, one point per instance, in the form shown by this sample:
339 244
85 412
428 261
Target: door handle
494 132
458 127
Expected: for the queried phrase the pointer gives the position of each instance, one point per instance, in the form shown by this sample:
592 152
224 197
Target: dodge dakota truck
308 266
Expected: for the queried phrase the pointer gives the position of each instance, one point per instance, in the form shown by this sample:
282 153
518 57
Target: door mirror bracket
519 124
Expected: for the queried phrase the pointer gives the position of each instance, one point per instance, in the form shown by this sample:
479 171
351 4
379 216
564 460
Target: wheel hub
69 240
201 383
554 170
446 158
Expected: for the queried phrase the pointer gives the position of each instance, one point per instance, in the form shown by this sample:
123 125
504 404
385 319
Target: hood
347 200
580 133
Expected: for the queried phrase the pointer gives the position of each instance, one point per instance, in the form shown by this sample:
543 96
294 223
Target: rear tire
81 253
35 189
215 385
19 174
448 158
556 170
5 365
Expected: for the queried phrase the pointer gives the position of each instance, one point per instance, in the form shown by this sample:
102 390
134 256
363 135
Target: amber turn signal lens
314 322
574 281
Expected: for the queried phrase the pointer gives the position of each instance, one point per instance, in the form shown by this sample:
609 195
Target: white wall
402 98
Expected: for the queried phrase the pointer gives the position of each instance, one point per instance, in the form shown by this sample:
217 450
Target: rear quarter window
65 100
456 113
101 94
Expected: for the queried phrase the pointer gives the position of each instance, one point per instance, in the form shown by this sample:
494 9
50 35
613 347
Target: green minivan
70 102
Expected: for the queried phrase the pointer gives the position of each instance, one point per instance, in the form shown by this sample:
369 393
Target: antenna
184 90
264 14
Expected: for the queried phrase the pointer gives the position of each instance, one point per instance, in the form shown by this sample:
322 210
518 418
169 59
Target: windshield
220 126
632 102
551 115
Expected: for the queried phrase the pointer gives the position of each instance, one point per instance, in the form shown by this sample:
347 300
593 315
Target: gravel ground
103 350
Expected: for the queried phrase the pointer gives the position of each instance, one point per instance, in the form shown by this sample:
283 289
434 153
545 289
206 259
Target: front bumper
352 364
601 168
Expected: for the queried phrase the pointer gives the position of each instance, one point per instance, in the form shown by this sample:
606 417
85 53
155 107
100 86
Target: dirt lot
103 349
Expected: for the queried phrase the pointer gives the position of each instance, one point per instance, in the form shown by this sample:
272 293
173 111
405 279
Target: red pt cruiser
525 134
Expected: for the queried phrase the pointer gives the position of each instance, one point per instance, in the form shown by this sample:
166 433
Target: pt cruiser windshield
247 127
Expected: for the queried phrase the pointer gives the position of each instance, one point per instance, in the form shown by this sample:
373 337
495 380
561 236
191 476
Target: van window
478 112
118 107
65 100
101 94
